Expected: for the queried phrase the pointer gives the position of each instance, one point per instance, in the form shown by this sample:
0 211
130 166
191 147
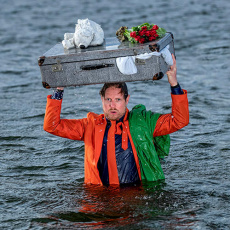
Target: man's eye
118 99
108 99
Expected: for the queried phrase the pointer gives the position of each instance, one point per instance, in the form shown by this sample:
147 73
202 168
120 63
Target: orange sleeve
67 128
177 119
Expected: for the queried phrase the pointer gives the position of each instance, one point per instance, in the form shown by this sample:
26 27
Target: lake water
41 176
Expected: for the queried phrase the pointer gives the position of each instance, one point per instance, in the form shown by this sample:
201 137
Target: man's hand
172 79
60 88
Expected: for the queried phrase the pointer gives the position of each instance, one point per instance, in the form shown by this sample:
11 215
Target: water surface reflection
135 206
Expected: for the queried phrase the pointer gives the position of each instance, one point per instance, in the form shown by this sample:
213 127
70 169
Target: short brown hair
119 85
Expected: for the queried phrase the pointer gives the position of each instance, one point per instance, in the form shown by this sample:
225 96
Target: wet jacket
91 130
125 162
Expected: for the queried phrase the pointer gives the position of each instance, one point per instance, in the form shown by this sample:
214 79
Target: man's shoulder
94 116
140 113
137 112
140 109
137 108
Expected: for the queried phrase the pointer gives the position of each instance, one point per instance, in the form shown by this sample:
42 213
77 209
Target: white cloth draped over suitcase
126 65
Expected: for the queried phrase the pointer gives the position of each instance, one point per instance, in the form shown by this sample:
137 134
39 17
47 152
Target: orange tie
111 155
124 133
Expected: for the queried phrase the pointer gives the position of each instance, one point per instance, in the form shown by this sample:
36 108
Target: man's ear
127 99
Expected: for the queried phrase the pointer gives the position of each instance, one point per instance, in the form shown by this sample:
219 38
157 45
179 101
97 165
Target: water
41 176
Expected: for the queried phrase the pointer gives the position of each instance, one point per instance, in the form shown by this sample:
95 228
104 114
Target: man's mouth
113 111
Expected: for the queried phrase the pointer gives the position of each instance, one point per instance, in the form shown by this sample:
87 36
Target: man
121 146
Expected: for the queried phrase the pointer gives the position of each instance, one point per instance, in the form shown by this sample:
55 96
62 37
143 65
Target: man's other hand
172 72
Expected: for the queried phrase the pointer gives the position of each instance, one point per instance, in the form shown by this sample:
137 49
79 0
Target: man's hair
118 85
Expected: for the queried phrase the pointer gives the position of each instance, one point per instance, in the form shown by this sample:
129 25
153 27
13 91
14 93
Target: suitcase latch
57 67
139 61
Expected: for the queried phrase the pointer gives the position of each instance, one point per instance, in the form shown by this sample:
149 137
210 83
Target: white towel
167 55
126 65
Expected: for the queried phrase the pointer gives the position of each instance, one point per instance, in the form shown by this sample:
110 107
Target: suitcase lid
111 48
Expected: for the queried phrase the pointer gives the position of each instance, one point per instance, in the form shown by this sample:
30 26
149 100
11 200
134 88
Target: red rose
141 32
141 40
155 27
147 33
144 28
133 34
153 32
152 38
137 38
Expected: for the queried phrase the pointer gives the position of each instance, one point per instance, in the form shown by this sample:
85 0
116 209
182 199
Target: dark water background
41 176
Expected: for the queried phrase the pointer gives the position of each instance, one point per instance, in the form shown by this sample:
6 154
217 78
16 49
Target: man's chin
113 117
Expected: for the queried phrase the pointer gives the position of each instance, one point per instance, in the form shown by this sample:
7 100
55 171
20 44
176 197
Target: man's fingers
174 60
60 88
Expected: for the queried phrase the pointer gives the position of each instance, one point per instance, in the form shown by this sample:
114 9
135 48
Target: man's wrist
176 89
174 85
57 94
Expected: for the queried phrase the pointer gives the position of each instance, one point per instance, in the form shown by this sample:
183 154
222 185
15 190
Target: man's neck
119 120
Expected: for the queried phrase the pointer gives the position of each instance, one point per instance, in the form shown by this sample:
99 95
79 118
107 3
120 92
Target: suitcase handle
93 67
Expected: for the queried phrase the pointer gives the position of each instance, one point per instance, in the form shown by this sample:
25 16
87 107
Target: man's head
115 99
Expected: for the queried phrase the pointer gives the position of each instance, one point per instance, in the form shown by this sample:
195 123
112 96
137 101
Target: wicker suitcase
96 65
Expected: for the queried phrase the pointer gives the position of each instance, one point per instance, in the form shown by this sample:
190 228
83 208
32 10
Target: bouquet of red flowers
142 33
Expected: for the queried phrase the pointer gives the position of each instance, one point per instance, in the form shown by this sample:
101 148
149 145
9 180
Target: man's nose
112 104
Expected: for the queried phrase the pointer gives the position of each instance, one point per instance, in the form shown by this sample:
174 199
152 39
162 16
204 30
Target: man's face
114 103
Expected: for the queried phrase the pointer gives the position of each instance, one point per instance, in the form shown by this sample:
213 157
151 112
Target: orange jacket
91 130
